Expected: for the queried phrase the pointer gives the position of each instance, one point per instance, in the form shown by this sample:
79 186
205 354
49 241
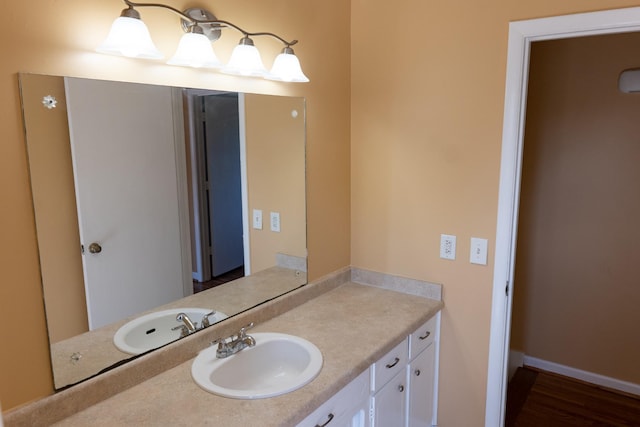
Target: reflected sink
153 330
277 364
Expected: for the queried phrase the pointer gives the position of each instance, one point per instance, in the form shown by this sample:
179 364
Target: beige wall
425 95
49 156
426 124
576 287
275 176
52 37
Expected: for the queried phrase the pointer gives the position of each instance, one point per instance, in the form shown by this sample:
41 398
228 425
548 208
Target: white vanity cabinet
347 408
399 390
408 398
389 387
422 374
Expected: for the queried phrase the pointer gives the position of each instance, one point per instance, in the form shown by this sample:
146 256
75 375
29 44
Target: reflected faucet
182 317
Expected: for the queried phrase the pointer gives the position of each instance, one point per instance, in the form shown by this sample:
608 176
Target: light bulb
245 60
194 50
129 37
286 68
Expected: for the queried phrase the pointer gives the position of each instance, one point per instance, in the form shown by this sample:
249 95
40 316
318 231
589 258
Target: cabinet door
389 403
343 408
420 379
358 417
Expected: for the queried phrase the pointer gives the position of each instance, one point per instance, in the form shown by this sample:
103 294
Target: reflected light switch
257 219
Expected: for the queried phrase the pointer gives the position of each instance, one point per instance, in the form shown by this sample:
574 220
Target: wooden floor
541 399
218 280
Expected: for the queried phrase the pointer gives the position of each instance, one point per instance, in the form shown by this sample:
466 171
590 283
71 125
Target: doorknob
95 248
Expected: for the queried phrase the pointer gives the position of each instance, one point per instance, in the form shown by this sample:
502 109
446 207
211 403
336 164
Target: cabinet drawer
342 403
389 365
423 336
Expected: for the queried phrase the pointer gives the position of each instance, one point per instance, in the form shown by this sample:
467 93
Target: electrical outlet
257 219
275 222
478 251
447 246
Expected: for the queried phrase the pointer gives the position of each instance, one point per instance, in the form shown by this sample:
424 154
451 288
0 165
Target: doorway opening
521 35
217 178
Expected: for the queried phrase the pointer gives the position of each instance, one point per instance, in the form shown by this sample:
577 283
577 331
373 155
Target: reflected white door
124 158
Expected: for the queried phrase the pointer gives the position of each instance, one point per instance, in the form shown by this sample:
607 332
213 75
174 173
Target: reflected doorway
216 152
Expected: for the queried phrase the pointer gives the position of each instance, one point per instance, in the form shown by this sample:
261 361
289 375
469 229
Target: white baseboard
579 374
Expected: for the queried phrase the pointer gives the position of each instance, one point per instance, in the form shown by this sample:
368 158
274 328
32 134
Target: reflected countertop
82 356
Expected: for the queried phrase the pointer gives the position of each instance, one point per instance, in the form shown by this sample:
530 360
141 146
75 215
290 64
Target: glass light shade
245 61
194 50
129 37
286 68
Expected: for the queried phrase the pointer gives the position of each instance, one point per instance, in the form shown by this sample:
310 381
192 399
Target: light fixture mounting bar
220 22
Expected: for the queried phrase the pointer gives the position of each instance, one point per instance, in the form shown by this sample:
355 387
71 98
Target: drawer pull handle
425 336
391 365
328 421
400 388
417 372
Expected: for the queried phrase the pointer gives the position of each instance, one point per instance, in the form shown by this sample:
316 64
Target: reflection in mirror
158 211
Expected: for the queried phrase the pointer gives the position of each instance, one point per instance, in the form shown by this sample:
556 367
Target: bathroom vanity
378 342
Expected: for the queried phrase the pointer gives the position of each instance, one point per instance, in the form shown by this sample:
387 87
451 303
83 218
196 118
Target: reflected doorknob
95 248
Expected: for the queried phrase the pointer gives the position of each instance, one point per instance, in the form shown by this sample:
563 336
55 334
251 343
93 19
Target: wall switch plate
257 219
478 251
447 246
275 222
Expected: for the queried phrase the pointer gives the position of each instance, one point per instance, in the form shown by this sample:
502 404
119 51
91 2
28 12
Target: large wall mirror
159 211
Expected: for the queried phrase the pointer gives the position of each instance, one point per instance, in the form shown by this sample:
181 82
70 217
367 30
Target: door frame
521 35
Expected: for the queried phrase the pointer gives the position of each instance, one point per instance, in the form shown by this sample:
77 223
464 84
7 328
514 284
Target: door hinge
506 290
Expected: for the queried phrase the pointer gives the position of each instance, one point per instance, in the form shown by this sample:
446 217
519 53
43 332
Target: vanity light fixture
130 37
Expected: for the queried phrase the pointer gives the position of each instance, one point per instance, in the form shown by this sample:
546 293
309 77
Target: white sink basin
277 364
154 330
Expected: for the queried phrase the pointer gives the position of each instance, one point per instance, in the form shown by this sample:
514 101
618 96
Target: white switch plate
257 219
275 222
478 251
447 246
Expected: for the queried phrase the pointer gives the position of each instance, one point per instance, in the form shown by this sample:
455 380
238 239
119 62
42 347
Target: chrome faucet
240 342
188 326
205 319
182 317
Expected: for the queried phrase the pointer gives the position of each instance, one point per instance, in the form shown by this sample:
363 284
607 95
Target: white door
124 159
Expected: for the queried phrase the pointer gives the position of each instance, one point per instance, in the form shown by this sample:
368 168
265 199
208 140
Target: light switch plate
257 219
478 251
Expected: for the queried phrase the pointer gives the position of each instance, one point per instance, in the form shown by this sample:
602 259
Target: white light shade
129 37
245 61
286 68
194 50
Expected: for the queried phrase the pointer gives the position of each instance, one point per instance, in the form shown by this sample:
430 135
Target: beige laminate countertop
352 325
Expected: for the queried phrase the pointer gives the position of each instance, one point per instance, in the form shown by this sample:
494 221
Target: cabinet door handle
425 336
328 421
400 388
417 372
391 365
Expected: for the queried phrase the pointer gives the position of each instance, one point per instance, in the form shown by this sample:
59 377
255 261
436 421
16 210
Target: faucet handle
222 343
243 330
205 319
